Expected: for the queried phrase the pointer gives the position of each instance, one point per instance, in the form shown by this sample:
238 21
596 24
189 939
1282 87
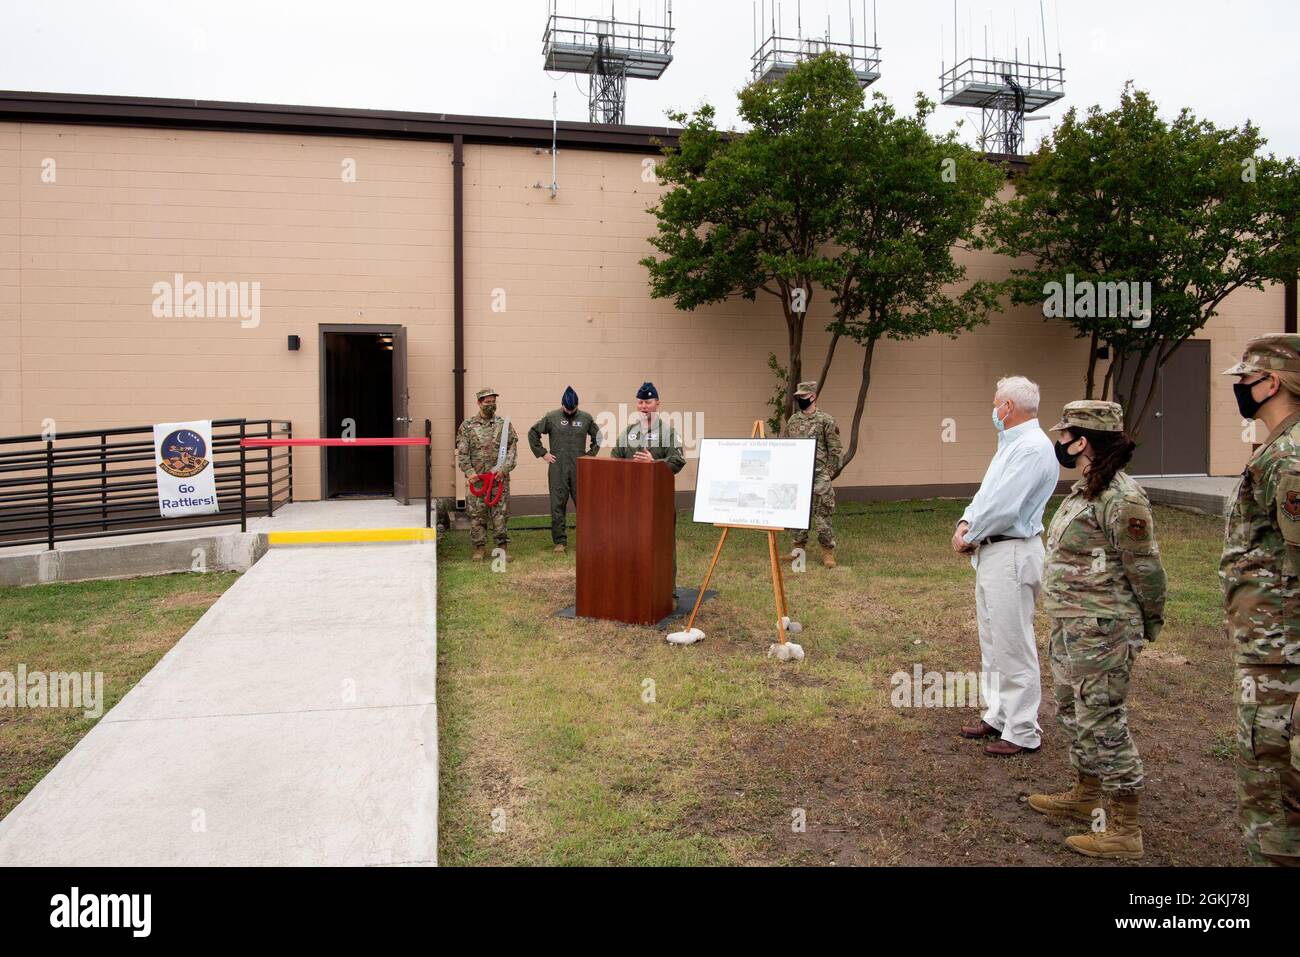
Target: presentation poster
761 482
183 462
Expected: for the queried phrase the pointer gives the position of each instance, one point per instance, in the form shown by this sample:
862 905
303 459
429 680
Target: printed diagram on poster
760 482
183 463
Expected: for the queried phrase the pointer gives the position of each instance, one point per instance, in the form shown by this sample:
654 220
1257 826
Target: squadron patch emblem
184 454
1138 530
1291 506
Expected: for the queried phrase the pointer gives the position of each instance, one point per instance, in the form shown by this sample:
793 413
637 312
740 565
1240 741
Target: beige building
350 229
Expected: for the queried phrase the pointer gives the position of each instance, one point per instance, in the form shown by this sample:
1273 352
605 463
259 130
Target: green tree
752 212
911 198
1127 197
820 193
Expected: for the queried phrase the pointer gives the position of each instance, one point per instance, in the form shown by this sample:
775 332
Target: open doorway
358 371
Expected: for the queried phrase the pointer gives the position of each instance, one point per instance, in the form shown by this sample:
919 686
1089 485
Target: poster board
760 482
183 465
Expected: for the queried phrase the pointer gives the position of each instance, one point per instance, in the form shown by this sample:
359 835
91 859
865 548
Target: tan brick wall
79 257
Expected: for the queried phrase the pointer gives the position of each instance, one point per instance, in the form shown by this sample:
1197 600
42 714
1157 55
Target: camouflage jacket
1260 566
568 434
478 441
1102 557
820 426
660 440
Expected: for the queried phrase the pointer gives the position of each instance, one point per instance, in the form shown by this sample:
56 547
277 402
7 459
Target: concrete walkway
1211 494
294 724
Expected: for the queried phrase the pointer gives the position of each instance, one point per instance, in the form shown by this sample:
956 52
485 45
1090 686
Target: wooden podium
626 540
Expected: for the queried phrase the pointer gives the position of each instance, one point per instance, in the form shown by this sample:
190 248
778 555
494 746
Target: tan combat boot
559 548
828 557
796 550
1122 836
478 553
1078 803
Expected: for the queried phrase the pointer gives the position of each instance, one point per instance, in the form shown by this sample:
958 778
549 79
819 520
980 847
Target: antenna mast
609 52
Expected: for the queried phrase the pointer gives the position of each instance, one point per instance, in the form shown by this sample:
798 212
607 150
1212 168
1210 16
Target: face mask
1247 404
803 401
489 409
997 423
1064 457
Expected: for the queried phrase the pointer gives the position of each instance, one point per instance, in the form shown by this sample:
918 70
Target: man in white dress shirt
1001 530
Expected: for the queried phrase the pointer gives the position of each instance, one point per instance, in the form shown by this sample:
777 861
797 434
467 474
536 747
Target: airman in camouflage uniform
1260 569
810 422
1104 589
478 443
569 429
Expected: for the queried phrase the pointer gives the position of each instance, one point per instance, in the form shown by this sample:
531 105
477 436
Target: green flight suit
569 442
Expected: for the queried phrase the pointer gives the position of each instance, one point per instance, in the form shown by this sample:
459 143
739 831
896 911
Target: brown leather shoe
1004 749
981 730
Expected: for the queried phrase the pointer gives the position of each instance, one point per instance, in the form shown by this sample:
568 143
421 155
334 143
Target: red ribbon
490 487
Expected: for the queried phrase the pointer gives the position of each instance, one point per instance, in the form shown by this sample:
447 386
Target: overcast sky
1227 61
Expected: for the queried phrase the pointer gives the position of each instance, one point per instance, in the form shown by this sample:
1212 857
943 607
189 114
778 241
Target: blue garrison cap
647 391
570 398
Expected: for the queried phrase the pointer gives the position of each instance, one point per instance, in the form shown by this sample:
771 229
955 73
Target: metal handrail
62 487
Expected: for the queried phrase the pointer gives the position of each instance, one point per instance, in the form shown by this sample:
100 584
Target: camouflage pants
1268 762
1091 663
823 507
480 515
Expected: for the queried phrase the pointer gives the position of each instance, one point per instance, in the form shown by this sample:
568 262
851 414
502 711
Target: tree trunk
794 328
1133 413
1092 367
826 366
1114 371
868 350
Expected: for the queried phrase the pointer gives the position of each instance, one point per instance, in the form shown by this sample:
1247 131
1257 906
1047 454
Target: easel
778 580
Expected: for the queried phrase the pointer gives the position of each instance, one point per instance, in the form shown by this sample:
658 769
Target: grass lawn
554 750
120 628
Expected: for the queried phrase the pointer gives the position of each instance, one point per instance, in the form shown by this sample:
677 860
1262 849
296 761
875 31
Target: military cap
807 388
570 398
647 391
1276 352
484 392
1091 414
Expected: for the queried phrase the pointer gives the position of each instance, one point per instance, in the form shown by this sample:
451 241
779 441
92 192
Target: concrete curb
224 552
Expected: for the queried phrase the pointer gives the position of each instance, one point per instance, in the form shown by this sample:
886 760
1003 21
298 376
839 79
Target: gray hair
1019 390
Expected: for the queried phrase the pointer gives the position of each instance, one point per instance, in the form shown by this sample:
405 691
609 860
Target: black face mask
1064 457
803 401
1247 404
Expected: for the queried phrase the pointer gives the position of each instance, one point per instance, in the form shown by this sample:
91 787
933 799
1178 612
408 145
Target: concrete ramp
294 724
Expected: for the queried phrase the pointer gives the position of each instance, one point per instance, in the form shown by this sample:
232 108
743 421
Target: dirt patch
915 792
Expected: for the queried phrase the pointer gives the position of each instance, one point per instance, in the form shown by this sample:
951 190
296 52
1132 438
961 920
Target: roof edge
156 112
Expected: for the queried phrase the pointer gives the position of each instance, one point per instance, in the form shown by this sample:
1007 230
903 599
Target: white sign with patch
183 461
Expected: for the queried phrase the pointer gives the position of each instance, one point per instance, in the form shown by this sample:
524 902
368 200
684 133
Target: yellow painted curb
345 535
